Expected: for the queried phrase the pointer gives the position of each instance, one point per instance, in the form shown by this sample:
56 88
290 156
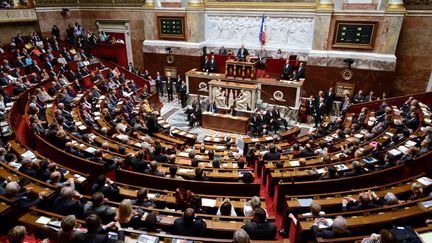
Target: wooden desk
234 124
240 69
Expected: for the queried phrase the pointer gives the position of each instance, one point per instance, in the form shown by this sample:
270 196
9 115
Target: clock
347 74
170 59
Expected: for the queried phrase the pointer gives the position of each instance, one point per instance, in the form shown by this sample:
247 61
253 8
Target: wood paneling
155 62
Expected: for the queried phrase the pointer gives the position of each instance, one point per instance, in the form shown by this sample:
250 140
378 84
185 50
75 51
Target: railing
85 3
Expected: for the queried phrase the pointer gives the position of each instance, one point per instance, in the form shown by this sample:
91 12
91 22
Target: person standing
183 94
169 88
329 98
287 69
159 86
242 53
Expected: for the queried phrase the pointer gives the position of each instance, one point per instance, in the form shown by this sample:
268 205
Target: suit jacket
169 85
212 66
196 228
370 98
100 236
242 53
65 206
261 231
299 73
287 70
329 98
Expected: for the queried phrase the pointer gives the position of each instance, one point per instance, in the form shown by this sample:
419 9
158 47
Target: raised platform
272 91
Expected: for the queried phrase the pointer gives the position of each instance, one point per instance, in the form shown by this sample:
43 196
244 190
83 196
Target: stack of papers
305 202
394 152
90 150
341 167
294 163
425 180
43 220
28 154
206 202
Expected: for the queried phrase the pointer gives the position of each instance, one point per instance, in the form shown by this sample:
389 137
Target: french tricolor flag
262 32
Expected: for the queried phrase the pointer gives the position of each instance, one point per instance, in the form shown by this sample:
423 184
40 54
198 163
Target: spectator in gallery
370 97
222 51
279 54
359 97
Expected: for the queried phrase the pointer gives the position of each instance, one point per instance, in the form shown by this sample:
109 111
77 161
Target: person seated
331 173
315 210
338 228
98 233
241 236
154 170
67 232
226 209
21 199
96 206
359 97
189 225
272 154
19 234
366 200
142 199
200 175
260 228
107 187
356 169
251 205
127 217
384 236
69 202
173 173
416 191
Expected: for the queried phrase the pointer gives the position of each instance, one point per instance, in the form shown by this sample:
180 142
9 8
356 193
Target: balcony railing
92 3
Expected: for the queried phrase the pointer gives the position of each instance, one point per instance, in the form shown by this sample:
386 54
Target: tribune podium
238 69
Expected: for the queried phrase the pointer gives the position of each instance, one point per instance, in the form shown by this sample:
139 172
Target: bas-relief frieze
289 32
16 15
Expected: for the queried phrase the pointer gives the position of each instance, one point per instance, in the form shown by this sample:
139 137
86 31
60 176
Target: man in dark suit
97 233
260 228
212 107
254 126
222 50
320 112
22 200
206 64
69 202
212 65
183 94
359 97
105 213
329 98
159 86
287 69
300 72
272 154
107 187
189 225
242 53
370 97
178 83
170 88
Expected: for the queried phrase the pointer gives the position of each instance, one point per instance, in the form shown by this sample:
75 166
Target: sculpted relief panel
281 32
